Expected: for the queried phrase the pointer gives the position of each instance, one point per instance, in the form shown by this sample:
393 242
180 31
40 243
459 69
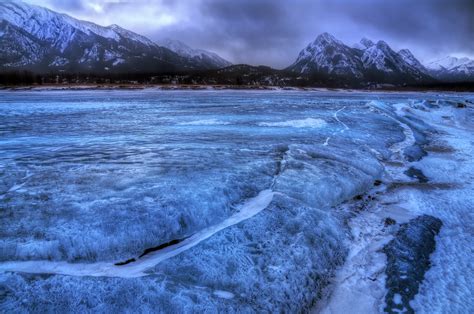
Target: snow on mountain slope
363 44
328 55
365 62
410 59
23 47
447 63
376 56
402 65
44 24
452 69
366 43
210 59
42 40
131 35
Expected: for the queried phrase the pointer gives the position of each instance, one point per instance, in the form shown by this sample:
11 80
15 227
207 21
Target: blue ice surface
103 175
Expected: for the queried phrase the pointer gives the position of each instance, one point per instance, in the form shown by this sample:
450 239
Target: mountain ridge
452 69
40 40
206 58
367 62
43 40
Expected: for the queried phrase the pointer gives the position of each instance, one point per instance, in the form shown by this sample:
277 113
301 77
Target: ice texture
408 258
96 178
436 184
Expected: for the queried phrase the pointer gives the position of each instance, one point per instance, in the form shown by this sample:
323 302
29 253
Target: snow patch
304 123
224 294
205 122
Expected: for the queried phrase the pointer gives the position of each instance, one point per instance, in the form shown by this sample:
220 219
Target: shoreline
360 285
217 87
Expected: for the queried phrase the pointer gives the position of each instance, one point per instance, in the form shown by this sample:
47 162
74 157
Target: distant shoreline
85 87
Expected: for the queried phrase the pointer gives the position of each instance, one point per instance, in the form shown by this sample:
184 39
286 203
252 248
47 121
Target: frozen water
204 122
138 268
236 191
109 174
305 123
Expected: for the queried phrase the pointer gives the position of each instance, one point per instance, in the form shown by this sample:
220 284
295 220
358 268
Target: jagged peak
447 63
408 55
410 59
405 52
367 43
326 38
382 45
64 33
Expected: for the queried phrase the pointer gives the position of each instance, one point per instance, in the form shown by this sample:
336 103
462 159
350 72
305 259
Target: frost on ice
235 196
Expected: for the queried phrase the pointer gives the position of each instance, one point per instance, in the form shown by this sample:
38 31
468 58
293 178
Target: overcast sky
272 32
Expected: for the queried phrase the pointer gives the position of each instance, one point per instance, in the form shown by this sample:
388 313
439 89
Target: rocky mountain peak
39 39
367 61
367 43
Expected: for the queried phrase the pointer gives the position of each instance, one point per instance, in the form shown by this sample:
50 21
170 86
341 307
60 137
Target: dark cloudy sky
272 32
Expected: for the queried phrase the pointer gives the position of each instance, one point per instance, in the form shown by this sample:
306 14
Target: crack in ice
140 267
326 143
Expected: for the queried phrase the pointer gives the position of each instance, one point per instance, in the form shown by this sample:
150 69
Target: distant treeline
261 77
237 76
448 86
20 78
13 78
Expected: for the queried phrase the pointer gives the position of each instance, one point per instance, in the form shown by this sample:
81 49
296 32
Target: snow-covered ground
229 200
359 286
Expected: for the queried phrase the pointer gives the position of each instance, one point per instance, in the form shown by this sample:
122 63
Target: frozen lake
229 200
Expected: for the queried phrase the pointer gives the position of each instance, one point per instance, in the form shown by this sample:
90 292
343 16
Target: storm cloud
272 32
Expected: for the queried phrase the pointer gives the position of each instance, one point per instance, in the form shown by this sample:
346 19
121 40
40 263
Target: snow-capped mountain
364 62
327 55
36 38
409 58
383 64
206 58
452 68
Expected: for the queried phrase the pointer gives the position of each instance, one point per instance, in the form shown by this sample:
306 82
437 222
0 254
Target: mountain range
40 40
366 61
452 69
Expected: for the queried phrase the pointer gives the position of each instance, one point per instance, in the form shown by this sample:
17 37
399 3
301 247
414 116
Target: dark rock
125 262
377 182
389 221
417 174
162 246
408 260
414 153
460 105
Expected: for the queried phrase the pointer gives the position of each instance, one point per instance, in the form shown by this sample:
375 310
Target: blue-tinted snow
97 177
